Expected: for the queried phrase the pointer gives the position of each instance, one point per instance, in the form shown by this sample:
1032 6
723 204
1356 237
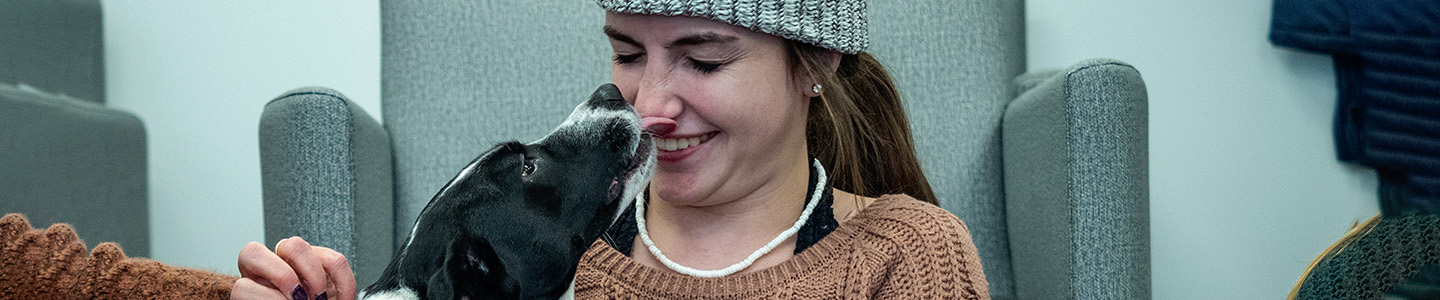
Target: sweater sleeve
935 257
51 264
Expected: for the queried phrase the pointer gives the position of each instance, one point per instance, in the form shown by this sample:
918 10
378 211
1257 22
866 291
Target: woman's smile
678 147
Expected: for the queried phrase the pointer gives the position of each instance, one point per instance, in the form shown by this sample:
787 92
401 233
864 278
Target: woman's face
730 114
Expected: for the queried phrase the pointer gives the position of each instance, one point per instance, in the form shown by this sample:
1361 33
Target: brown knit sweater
51 264
896 248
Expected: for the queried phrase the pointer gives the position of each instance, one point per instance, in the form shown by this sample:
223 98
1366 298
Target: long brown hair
857 126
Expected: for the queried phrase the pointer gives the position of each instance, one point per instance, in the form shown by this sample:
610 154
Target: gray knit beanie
832 24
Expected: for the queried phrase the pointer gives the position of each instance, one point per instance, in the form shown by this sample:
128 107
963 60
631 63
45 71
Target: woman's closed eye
621 59
705 67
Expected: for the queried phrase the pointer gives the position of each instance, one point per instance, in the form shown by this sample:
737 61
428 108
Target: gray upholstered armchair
64 155
1048 170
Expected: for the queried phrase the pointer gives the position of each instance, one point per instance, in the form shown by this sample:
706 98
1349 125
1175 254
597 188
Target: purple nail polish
323 296
298 293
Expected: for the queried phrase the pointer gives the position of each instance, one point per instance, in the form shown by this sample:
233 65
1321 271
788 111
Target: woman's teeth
679 144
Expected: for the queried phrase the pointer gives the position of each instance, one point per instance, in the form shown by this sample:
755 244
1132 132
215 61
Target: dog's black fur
514 223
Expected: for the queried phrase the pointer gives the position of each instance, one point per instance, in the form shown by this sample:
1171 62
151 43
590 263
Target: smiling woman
740 103
784 168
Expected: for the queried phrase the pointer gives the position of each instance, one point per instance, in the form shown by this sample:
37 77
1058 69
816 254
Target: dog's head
516 220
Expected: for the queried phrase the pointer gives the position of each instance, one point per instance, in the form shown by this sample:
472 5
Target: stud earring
815 88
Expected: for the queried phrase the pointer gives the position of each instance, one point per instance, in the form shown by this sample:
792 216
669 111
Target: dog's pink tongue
657 126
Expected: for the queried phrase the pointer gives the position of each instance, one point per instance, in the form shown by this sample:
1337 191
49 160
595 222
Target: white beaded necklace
645 237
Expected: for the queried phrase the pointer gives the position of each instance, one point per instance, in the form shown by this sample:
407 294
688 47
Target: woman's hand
296 270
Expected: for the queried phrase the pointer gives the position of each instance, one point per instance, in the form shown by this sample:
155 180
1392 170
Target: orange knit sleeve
936 258
51 264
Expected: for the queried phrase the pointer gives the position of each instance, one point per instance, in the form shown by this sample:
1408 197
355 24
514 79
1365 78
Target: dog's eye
528 168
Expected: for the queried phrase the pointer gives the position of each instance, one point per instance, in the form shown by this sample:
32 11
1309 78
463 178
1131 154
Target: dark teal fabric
1378 261
1387 61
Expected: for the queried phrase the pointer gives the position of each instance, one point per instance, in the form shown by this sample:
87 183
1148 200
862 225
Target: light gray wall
1245 188
199 73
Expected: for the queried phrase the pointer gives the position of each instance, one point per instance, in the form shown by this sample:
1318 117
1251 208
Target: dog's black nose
608 96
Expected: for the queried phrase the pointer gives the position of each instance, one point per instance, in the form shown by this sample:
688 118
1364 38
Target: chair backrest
954 62
55 46
459 76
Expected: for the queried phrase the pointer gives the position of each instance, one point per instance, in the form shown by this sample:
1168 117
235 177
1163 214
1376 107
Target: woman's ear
832 57
832 62
807 81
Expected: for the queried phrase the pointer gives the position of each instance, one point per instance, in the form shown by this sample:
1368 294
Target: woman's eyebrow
616 35
701 39
689 40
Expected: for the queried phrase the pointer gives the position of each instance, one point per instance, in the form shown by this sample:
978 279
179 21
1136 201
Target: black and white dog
515 221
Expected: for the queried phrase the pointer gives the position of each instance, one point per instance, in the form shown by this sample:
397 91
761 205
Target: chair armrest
326 173
1077 183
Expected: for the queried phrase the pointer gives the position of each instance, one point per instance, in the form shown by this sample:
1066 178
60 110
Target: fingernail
322 296
299 293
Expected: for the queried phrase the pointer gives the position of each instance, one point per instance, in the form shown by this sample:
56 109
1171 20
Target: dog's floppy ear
472 270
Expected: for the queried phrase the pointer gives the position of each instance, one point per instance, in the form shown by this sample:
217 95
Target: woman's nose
656 96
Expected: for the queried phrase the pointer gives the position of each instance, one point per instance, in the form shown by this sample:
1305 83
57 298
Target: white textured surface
199 74
1244 185
403 293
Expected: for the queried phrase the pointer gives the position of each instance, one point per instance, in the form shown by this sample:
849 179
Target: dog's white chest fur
406 293
400 294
